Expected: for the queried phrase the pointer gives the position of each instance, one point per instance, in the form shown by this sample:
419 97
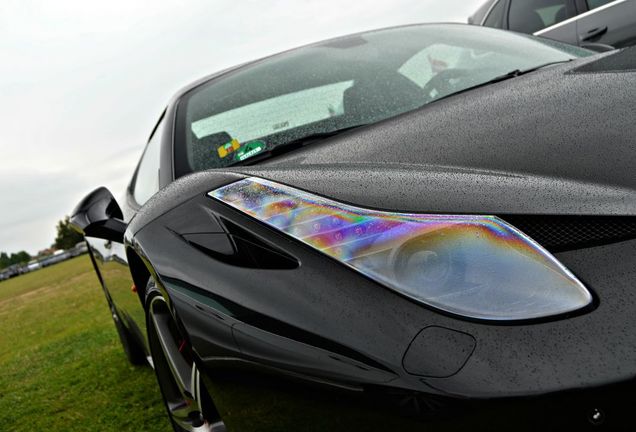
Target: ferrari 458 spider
429 227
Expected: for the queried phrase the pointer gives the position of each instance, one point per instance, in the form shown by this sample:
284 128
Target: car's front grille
561 233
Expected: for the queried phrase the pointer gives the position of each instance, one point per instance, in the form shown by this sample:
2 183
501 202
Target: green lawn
62 368
61 364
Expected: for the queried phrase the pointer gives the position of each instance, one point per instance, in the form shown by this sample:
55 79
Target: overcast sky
82 83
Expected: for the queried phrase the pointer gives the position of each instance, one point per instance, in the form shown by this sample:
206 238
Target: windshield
342 83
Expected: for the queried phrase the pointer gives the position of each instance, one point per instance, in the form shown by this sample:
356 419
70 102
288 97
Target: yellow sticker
228 148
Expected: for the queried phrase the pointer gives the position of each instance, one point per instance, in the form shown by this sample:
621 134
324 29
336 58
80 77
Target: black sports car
429 227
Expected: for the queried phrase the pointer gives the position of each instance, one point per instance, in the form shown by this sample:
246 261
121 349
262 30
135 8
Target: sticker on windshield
250 149
228 148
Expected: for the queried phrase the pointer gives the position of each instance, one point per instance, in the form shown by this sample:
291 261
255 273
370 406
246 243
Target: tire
187 401
134 353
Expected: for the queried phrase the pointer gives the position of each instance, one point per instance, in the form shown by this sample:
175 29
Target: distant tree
4 260
20 258
66 237
15 258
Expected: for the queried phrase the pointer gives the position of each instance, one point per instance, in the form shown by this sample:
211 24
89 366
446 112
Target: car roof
479 15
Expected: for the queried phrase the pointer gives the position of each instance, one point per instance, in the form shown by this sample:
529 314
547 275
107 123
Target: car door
495 16
109 256
547 18
608 22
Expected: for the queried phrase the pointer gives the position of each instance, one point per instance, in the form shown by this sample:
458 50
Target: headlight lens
474 266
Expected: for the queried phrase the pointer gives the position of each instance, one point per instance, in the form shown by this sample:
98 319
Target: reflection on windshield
348 81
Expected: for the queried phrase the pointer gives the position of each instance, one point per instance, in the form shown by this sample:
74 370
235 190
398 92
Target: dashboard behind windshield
359 79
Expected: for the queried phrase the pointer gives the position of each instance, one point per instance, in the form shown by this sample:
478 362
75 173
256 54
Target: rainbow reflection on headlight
470 265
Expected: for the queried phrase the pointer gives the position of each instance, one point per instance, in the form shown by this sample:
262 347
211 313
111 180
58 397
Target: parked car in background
78 249
13 270
594 24
56 257
34 265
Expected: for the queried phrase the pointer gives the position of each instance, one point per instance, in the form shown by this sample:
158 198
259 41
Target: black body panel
622 61
321 298
274 322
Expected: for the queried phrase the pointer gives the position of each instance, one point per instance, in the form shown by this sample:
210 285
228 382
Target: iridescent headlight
475 266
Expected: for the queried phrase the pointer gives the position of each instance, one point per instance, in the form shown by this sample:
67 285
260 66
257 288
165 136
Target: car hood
422 188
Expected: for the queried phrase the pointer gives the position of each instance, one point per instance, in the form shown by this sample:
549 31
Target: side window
529 16
146 182
496 17
593 4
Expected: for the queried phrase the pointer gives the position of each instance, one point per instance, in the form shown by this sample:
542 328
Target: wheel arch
140 273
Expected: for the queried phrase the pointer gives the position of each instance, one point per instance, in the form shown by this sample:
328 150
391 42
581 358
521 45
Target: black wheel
187 401
134 353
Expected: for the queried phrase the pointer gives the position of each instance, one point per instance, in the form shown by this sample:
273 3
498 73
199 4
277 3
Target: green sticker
250 149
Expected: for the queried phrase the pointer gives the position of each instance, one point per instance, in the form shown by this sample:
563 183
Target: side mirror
98 215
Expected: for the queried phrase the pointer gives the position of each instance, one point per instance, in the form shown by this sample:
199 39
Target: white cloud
82 83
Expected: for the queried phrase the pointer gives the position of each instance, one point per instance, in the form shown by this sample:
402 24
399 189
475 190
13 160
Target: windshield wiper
519 72
307 139
508 75
295 144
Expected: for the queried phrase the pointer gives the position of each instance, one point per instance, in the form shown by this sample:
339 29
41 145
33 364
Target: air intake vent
561 233
619 61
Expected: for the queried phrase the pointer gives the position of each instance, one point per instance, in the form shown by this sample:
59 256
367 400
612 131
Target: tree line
65 238
7 260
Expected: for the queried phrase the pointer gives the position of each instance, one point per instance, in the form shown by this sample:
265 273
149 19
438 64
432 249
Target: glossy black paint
321 323
321 298
99 215
277 325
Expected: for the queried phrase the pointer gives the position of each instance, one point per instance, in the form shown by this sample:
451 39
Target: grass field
62 368
61 364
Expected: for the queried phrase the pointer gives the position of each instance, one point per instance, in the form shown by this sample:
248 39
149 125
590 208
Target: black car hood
423 188
557 141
